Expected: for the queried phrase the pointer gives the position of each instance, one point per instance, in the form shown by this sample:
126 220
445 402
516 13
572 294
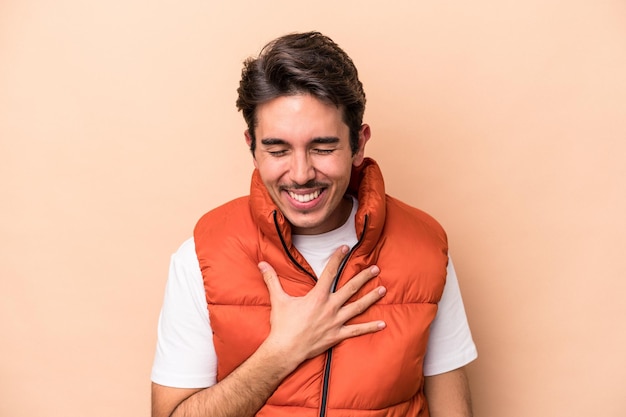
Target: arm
448 394
301 328
242 393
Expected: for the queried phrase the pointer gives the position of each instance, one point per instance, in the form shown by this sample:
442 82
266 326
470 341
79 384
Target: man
322 292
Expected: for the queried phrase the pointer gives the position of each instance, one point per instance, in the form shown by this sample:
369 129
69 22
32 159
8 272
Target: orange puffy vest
379 374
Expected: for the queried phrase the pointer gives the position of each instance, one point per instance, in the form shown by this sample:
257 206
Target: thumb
271 279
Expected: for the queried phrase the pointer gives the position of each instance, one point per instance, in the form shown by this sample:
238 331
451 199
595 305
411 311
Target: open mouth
305 198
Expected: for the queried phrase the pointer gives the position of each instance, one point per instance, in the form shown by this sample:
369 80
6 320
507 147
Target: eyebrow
326 140
272 141
318 140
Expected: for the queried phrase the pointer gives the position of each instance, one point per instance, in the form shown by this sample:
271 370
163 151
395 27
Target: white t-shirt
185 355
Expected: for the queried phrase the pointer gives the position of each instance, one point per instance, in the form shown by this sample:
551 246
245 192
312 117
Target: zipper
329 352
286 249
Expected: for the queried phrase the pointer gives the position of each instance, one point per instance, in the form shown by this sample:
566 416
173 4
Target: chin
303 226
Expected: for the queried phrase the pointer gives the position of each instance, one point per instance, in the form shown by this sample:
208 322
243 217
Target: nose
302 170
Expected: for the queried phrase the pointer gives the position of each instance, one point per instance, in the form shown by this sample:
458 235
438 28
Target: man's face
303 155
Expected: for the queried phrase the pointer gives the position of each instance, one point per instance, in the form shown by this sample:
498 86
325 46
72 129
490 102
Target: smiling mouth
304 198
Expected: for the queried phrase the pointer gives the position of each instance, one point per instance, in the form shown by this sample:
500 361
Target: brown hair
302 63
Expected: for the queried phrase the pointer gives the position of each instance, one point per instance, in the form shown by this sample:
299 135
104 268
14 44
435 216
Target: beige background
506 120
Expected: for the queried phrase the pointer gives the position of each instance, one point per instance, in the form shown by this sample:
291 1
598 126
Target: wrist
283 359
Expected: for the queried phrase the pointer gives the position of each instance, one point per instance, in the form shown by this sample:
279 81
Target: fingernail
382 325
375 270
262 267
382 291
344 249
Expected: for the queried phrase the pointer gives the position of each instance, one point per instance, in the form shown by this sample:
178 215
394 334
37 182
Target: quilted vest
375 375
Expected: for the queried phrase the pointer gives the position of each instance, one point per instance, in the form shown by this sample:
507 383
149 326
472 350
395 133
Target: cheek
339 169
334 162
271 173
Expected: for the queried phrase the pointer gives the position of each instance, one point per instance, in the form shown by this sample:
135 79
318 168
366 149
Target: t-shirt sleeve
185 356
450 345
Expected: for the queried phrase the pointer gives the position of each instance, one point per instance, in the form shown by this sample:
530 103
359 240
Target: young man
325 296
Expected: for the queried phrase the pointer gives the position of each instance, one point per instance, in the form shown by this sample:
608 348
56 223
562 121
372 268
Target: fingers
359 306
344 311
350 310
316 321
356 283
325 281
354 330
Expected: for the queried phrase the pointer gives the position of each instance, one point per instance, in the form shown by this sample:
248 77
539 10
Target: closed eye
323 151
325 145
274 146
277 153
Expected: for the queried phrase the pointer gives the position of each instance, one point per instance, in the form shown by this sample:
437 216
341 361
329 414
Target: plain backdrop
506 120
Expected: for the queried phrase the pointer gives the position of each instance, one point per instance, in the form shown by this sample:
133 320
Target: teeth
304 198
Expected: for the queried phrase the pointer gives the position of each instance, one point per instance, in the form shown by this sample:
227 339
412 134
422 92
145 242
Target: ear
246 134
364 136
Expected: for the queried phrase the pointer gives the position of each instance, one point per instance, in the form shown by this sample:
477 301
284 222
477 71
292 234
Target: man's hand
304 327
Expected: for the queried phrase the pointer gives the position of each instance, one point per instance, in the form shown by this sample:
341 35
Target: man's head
303 63
304 104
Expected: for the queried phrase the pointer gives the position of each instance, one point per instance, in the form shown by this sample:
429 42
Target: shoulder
226 231
186 253
406 216
220 217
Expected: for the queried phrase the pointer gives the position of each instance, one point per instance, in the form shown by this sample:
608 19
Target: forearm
231 397
448 394
242 393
